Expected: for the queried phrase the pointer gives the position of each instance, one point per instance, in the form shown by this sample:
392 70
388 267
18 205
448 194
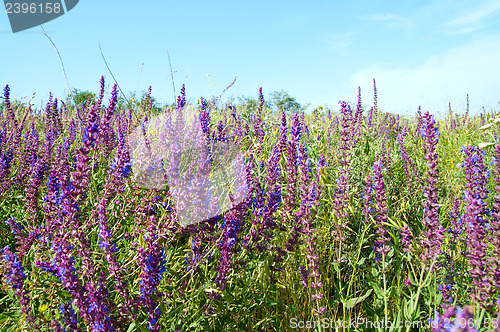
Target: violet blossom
432 234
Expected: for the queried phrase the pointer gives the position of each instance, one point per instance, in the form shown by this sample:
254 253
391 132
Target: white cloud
338 43
391 20
471 68
474 19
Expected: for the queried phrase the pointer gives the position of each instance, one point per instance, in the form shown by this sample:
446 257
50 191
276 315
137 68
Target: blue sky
419 52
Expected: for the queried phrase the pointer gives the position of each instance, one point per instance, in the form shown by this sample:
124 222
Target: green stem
420 284
385 290
357 259
319 317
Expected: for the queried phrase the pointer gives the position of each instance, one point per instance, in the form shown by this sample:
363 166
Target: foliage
82 97
285 103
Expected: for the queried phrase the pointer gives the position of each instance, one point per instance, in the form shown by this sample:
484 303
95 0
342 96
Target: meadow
353 220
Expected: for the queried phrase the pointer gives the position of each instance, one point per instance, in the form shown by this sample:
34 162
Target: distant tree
248 103
230 100
284 102
84 97
251 104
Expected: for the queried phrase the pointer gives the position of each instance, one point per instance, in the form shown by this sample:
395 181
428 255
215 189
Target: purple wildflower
358 117
258 125
181 100
382 240
305 218
303 275
8 106
15 278
494 238
454 319
69 318
406 238
283 135
342 195
432 235
475 211
152 263
367 198
291 165
407 162
106 131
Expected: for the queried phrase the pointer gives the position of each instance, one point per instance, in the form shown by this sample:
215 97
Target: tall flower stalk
494 236
475 219
342 192
381 241
152 262
305 218
290 178
432 234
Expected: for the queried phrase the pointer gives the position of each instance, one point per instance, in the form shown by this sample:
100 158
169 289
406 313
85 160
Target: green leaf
352 302
361 261
486 126
485 145
395 222
336 267
378 290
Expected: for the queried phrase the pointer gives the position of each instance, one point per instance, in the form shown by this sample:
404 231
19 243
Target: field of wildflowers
355 215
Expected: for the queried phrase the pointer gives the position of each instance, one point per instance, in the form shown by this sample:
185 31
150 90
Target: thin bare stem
171 73
114 79
60 59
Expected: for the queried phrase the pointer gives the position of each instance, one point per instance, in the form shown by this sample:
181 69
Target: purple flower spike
8 106
230 228
305 219
381 242
475 218
432 235
454 319
406 238
259 125
283 135
342 195
494 238
15 278
106 131
152 263
181 100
